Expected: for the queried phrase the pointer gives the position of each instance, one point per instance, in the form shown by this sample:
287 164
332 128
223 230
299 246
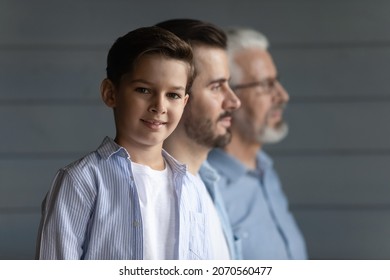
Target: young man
206 121
129 199
251 189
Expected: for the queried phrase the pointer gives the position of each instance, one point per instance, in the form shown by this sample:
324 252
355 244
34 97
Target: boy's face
148 103
207 118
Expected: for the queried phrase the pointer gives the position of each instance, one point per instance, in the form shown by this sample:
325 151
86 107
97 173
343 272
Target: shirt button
245 235
136 223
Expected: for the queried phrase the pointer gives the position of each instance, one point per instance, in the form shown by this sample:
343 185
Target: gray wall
333 57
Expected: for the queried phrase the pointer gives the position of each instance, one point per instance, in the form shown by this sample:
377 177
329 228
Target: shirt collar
227 165
209 176
232 168
174 164
208 172
264 161
109 147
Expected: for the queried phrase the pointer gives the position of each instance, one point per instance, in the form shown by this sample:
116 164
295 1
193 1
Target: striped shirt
92 211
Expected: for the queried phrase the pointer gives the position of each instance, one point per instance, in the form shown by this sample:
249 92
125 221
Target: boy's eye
174 95
142 90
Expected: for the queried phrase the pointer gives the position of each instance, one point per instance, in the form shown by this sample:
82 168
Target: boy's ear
186 97
107 90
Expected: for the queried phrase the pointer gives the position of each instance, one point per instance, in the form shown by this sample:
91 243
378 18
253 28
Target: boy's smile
149 102
154 124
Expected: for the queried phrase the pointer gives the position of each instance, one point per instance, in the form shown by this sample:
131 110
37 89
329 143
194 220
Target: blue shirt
258 209
92 211
210 178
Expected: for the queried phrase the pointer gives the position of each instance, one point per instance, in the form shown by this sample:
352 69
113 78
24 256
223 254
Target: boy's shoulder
83 163
91 163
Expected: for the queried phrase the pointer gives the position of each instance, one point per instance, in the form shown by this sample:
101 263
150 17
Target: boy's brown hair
126 51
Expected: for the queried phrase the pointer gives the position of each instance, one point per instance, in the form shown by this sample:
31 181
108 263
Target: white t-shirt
158 204
218 241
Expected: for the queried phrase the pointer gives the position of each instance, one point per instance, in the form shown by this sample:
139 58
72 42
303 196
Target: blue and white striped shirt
92 211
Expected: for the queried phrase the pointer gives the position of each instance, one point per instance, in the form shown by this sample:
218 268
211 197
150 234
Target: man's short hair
243 38
239 39
196 32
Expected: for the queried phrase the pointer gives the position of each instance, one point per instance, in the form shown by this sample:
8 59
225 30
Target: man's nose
280 94
231 102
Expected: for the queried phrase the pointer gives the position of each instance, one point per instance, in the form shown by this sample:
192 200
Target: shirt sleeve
65 216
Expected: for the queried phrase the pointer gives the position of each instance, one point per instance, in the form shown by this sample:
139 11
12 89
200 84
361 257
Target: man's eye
273 82
216 87
142 90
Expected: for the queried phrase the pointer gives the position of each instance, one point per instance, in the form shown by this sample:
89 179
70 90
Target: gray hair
240 39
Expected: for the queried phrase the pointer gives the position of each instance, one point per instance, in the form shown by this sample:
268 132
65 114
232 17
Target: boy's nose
158 104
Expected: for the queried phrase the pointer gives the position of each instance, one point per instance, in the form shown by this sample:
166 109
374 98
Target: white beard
273 135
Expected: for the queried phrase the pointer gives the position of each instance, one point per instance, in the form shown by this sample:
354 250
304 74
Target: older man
256 204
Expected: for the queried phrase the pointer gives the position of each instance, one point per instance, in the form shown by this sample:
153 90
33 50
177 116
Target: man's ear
108 92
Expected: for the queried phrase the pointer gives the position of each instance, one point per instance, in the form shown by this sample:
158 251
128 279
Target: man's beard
201 131
276 133
270 135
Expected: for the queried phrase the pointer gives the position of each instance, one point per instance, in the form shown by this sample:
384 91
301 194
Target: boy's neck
186 150
146 155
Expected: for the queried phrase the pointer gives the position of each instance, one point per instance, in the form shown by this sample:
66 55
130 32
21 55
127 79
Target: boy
128 199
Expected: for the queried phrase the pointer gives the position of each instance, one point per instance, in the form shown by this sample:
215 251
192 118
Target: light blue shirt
258 209
92 211
210 178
